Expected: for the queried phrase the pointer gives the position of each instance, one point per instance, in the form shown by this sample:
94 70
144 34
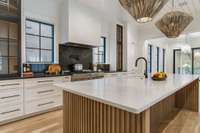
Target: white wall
45 11
109 14
84 25
112 14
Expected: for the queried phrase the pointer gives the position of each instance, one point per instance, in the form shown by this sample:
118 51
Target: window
99 53
196 61
39 42
149 58
164 52
182 62
158 58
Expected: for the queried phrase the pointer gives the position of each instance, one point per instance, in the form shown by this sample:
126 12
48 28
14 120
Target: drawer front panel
41 91
11 84
41 81
43 104
10 112
9 95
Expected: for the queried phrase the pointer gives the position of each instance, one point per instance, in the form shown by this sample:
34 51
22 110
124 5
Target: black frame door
193 58
119 37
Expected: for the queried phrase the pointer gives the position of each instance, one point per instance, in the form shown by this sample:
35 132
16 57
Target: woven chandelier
143 10
174 23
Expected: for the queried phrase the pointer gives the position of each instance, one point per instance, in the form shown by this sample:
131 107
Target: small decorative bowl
159 79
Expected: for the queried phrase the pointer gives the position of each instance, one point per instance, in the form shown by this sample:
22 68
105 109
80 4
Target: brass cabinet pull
43 104
9 97
41 92
8 112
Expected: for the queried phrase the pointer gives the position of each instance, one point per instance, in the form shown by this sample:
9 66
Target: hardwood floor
184 122
46 123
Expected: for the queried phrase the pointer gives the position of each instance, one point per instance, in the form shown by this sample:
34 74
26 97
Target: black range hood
71 44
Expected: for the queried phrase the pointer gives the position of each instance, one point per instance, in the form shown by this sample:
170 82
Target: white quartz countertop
129 93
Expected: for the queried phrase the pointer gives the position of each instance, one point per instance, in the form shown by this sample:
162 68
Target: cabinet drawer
10 112
10 84
43 104
9 95
42 81
41 91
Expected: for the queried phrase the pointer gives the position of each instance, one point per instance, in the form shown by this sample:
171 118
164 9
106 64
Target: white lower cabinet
22 97
11 111
40 94
11 99
43 104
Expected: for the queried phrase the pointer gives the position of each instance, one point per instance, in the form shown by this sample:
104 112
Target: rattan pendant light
143 10
174 23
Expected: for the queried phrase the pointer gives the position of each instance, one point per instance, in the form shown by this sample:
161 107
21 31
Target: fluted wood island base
83 115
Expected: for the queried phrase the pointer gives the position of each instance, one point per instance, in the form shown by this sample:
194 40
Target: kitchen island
126 104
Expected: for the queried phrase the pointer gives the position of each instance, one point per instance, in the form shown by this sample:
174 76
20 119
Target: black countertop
37 75
43 75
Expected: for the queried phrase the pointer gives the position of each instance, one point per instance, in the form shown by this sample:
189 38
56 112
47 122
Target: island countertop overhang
127 92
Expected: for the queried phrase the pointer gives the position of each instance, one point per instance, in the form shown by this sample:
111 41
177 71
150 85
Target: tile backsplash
69 55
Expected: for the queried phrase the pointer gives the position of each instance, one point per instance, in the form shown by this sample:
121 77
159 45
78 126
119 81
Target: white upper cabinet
80 23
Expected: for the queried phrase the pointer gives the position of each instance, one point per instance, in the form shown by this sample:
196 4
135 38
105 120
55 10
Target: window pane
3 65
95 50
32 41
101 49
32 55
177 62
46 56
3 47
32 27
102 41
13 49
186 63
46 30
197 61
13 65
46 43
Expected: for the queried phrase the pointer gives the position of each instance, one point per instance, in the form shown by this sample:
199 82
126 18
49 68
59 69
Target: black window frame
41 36
100 52
164 55
151 55
158 58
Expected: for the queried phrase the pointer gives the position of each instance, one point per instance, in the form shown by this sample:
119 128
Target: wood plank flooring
184 122
46 123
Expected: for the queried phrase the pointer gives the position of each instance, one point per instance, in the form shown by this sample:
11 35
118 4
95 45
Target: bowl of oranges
159 76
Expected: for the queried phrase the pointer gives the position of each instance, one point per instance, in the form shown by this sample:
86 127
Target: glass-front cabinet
9 7
9 37
9 47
